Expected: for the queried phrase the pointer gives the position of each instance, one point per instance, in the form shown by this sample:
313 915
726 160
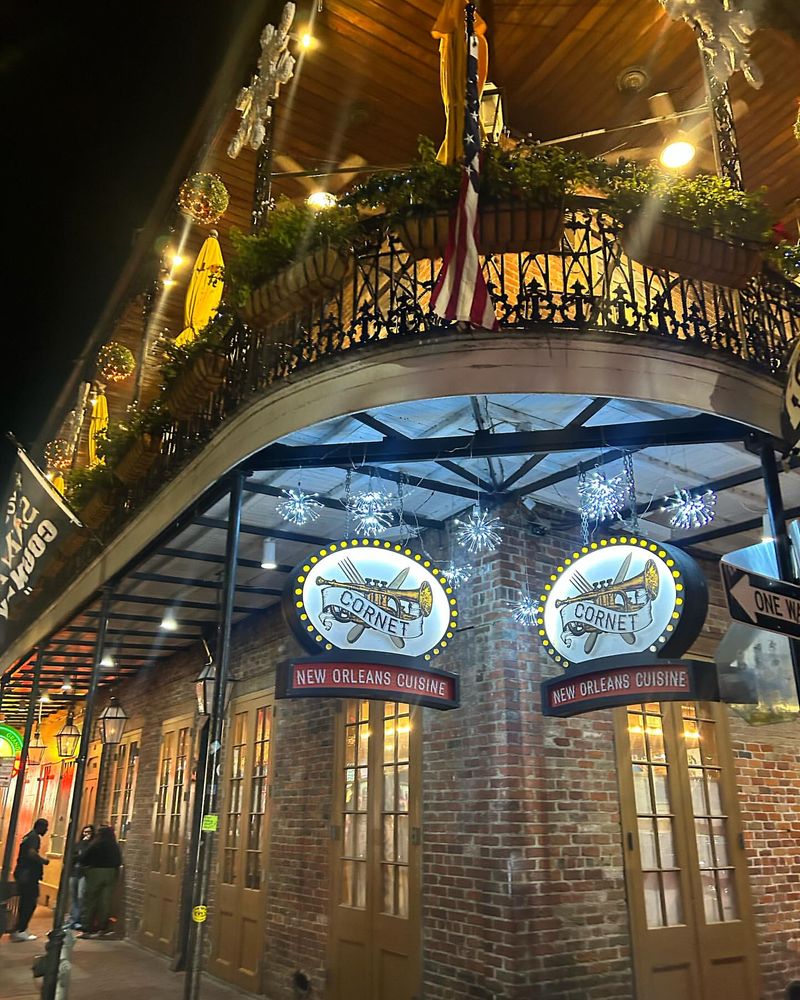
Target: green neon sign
10 741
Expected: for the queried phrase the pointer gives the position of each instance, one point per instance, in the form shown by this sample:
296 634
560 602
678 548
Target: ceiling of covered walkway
182 578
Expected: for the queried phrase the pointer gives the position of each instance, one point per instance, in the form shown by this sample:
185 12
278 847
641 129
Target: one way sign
761 600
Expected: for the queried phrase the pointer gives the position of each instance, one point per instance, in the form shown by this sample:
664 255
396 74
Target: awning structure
435 458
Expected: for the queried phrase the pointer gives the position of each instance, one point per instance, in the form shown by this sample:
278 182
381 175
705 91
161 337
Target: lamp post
112 723
68 737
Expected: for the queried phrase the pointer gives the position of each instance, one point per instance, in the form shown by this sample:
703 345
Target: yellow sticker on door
200 914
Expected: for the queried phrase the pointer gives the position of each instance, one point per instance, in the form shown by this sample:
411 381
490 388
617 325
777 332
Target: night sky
96 100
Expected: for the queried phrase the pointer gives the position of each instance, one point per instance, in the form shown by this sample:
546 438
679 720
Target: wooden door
90 780
168 843
238 929
375 921
123 776
688 891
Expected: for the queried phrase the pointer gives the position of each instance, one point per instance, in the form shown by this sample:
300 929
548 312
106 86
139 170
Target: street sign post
762 600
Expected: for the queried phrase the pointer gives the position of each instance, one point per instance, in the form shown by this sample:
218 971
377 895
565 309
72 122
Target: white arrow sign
760 600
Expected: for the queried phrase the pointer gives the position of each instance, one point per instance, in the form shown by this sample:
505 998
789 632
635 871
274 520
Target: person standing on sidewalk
77 879
102 861
28 874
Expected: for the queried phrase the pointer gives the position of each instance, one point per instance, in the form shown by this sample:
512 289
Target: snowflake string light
479 532
457 574
525 610
691 510
374 512
602 498
299 507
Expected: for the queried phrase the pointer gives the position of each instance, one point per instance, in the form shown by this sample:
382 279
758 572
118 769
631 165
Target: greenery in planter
80 485
786 258
706 202
115 441
526 171
292 231
177 358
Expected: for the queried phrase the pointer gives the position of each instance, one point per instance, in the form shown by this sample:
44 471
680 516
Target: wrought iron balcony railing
588 285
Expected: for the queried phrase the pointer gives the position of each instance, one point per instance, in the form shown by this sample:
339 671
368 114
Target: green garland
116 439
204 197
81 484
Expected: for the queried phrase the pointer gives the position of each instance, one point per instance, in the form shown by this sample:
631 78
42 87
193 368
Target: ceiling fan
695 130
318 182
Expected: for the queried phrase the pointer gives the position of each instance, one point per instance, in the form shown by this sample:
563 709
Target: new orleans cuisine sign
616 615
373 614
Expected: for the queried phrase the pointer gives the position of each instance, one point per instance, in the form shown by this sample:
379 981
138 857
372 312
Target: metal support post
777 527
723 126
13 819
202 879
55 940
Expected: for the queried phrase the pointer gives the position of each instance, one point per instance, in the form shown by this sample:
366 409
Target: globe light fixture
112 723
678 153
320 200
68 738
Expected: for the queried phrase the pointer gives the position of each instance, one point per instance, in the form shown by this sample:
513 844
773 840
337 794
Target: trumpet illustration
403 605
626 596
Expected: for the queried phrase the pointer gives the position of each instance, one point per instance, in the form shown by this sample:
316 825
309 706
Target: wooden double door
375 940
240 908
686 873
168 834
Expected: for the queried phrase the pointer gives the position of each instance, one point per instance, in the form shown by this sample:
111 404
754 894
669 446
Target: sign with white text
605 686
761 600
364 678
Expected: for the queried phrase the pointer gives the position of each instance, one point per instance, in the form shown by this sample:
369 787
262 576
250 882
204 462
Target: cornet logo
371 595
615 596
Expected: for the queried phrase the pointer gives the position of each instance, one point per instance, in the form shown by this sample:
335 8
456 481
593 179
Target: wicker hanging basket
508 227
138 459
191 390
310 279
673 245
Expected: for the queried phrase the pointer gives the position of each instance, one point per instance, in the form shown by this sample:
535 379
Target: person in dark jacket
102 861
77 878
28 874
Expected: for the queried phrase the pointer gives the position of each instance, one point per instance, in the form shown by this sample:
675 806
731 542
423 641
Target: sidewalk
101 969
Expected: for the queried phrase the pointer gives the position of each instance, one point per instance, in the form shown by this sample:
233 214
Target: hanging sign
762 600
625 602
11 742
791 409
367 608
36 521
7 770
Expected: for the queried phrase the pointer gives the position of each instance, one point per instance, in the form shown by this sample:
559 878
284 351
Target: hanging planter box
673 245
508 227
313 277
191 389
95 513
138 459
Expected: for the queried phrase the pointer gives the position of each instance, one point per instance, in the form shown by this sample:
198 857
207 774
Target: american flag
461 293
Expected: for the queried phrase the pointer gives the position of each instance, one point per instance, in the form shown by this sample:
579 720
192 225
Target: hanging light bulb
169 623
269 555
678 152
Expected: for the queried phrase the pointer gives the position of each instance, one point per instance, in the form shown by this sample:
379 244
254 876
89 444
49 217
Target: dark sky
95 101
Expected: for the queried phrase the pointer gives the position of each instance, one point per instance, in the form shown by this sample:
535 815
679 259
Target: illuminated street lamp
36 749
204 689
68 738
112 723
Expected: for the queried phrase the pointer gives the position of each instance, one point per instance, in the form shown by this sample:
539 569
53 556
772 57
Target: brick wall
524 894
523 889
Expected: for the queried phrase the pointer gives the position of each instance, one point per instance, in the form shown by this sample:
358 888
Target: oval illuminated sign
10 741
621 596
371 595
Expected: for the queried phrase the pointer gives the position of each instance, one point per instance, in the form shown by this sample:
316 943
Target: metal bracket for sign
619 680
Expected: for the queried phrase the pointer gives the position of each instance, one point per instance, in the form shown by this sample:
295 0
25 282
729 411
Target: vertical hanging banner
36 520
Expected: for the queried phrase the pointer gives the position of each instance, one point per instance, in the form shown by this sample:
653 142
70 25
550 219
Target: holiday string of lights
691 510
457 574
299 507
374 511
479 532
525 609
